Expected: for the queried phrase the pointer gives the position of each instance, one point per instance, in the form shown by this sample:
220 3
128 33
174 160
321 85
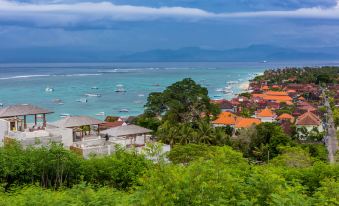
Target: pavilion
128 132
77 124
17 115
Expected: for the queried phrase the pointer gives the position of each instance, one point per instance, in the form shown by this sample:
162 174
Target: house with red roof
309 121
266 115
285 117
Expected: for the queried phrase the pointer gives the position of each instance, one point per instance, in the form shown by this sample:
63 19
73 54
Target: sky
139 25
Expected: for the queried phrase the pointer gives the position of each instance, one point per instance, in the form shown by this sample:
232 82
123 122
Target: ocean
27 83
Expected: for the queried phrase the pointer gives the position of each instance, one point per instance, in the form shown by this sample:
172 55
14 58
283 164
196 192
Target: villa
14 125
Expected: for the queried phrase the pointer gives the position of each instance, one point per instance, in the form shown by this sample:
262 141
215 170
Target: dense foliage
302 75
210 175
184 102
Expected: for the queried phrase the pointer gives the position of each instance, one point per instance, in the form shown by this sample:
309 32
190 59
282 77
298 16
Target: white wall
4 125
66 133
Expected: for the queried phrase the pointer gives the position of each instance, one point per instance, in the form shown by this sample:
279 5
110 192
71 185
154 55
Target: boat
232 82
93 95
100 114
141 95
49 89
96 88
219 90
217 96
82 100
1 104
63 115
120 88
57 101
123 110
156 85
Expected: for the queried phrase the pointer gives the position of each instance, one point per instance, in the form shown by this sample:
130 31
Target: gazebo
128 131
76 122
13 113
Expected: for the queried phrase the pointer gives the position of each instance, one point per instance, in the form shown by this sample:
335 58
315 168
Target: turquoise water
26 83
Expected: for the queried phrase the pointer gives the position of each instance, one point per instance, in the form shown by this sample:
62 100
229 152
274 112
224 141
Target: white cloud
62 14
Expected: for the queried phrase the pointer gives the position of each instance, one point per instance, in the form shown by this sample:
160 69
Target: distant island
254 53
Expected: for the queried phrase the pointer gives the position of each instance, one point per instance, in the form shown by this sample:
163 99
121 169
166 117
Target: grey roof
21 110
126 131
76 121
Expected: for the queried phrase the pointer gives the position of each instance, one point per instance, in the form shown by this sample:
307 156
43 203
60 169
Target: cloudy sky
137 25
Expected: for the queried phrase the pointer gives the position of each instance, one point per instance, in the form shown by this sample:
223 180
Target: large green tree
182 102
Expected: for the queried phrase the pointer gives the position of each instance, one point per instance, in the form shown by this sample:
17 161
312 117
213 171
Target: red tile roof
265 113
308 119
246 122
226 118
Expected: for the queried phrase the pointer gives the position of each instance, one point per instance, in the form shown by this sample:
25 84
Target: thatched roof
22 110
126 130
76 121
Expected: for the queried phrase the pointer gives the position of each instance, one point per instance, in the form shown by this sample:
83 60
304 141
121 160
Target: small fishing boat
96 88
1 104
141 95
82 100
120 88
93 95
219 90
156 85
217 96
49 89
57 101
63 115
123 110
100 114
232 82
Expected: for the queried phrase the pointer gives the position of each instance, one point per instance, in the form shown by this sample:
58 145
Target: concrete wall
66 133
4 125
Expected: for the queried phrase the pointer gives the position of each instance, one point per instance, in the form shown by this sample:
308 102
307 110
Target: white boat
100 114
63 115
49 89
93 95
1 104
82 100
120 88
232 82
219 90
141 95
123 110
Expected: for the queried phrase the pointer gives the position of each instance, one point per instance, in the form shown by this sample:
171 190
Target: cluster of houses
84 135
266 103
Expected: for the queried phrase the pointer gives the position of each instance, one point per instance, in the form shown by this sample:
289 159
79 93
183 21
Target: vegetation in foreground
198 175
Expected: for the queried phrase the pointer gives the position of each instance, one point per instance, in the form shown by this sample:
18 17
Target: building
266 115
14 125
225 119
246 122
285 117
309 121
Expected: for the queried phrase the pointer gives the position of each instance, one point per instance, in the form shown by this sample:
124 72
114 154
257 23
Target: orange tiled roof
275 86
226 118
277 98
285 116
301 98
291 91
265 113
276 93
246 122
308 118
265 87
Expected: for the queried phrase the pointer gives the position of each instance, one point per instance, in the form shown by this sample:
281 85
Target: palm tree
205 133
186 134
168 133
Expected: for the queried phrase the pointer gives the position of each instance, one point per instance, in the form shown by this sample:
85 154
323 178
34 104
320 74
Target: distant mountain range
187 54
